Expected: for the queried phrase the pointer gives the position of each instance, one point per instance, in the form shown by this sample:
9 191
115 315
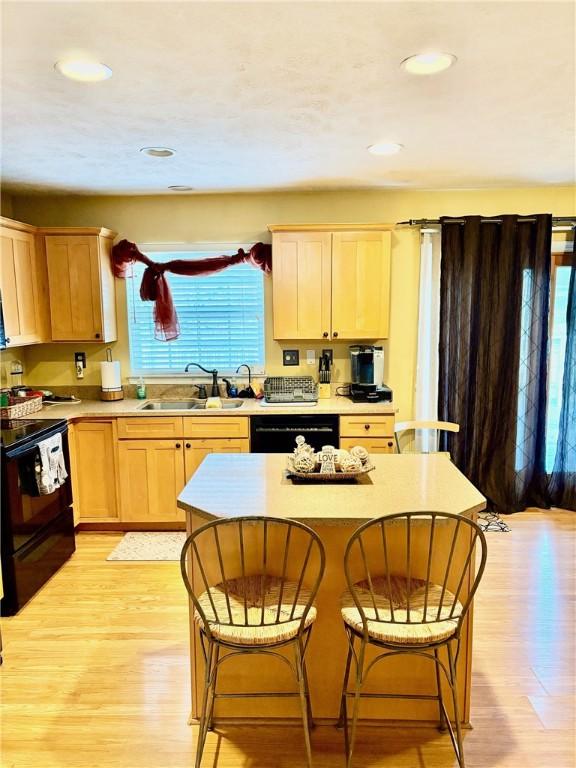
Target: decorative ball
341 453
351 464
303 462
360 452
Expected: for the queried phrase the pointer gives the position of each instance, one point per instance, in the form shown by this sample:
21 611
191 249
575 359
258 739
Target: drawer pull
366 427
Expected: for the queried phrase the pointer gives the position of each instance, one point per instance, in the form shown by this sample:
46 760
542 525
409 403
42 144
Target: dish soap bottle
141 389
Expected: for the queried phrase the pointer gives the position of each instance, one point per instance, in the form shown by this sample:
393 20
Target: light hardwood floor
96 670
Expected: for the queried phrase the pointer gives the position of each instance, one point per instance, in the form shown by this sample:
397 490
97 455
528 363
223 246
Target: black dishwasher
277 434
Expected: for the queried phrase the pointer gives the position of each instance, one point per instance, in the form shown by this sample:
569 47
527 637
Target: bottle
16 371
141 389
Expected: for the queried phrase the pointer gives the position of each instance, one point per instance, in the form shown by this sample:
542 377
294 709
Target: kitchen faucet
248 391
215 392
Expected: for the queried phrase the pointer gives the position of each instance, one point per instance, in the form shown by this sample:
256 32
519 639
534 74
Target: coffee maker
367 374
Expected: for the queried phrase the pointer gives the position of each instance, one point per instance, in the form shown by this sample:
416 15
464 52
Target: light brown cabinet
93 457
22 285
373 432
151 474
155 461
330 284
196 450
81 284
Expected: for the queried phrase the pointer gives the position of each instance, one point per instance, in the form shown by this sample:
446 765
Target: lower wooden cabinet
151 474
196 450
93 447
372 444
373 432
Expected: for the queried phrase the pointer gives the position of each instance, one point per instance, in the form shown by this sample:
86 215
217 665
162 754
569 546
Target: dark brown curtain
494 300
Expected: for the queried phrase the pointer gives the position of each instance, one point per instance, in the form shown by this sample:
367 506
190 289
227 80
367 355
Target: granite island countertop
87 409
232 485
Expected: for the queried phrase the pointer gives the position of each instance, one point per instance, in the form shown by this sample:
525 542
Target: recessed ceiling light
84 70
158 151
180 188
385 148
428 63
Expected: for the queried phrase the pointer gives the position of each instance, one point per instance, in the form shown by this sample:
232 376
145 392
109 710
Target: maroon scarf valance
154 286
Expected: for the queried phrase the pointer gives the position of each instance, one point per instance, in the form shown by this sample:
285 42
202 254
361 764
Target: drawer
372 444
216 426
373 426
142 427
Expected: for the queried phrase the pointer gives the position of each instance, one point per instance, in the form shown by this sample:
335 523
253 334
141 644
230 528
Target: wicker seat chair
407 606
252 582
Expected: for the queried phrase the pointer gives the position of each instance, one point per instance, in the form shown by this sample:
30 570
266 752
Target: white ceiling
267 95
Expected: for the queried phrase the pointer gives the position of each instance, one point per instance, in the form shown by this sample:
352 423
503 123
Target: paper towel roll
111 375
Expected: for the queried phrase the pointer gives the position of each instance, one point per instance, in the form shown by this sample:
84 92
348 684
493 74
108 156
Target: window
221 318
561 267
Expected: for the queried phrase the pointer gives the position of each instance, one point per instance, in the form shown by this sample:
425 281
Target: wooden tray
328 478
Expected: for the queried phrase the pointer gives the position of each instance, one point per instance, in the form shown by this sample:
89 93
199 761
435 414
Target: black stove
37 526
16 432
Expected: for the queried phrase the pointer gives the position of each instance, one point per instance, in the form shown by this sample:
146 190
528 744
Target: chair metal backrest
411 426
426 549
260 549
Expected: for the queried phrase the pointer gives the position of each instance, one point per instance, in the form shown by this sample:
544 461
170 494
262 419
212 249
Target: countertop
131 407
232 485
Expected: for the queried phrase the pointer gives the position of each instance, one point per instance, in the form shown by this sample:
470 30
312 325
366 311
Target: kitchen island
228 486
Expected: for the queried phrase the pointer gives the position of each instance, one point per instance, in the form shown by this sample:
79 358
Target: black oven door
25 513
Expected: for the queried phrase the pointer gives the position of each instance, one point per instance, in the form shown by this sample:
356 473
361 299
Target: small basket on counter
18 407
328 465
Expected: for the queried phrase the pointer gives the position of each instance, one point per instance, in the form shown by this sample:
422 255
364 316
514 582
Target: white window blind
221 319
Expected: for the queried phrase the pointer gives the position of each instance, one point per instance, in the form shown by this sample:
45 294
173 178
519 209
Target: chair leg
356 705
343 713
442 726
304 702
206 705
311 723
211 717
454 687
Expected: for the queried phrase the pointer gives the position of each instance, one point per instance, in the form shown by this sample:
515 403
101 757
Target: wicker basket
320 477
21 406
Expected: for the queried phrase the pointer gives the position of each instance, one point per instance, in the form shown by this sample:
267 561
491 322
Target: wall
6 208
244 218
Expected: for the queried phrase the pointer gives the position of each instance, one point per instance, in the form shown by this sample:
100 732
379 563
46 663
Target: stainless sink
184 405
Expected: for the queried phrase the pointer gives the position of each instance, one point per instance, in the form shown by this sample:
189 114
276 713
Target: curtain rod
571 220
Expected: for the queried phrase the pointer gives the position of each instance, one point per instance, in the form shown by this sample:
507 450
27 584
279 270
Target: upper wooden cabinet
81 284
331 282
22 285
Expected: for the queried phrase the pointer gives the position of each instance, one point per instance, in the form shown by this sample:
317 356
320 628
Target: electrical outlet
329 353
80 364
290 357
310 356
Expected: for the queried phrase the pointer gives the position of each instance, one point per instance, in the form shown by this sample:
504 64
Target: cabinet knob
189 446
96 335
366 427
178 445
7 340
335 334
325 334
390 444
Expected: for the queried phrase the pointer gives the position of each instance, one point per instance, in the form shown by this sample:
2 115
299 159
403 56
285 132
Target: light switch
310 356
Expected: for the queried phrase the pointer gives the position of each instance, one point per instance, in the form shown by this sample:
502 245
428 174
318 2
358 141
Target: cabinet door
372 444
19 287
74 281
360 285
151 479
93 458
301 285
196 450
